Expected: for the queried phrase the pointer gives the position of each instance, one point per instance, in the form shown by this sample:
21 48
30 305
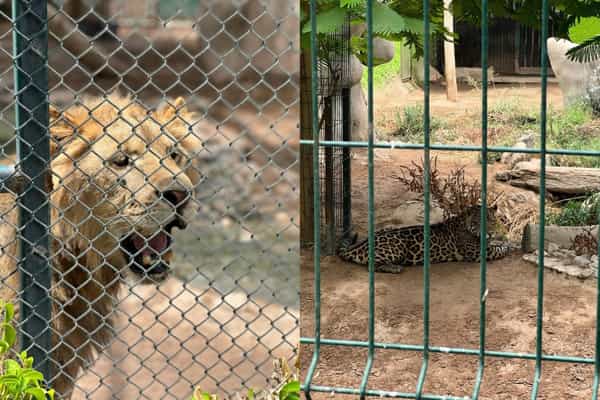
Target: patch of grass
568 129
510 112
571 214
576 212
585 29
385 72
409 123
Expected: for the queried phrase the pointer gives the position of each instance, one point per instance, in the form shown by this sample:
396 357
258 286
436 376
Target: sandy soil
569 304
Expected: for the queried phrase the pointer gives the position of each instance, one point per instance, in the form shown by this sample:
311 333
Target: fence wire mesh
171 199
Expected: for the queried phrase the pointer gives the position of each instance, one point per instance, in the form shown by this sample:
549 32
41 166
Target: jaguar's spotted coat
456 239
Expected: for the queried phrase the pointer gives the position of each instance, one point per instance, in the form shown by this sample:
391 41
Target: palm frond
587 51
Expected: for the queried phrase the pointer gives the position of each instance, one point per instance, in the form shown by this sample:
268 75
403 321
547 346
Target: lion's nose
176 197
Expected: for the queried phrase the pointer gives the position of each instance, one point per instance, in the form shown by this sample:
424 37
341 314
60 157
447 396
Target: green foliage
392 20
576 213
510 112
18 379
585 29
284 385
562 13
383 73
567 129
291 391
587 51
587 34
409 124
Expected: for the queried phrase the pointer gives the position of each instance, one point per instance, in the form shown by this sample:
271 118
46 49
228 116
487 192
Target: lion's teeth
147 259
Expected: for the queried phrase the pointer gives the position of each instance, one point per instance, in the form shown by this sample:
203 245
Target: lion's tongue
157 244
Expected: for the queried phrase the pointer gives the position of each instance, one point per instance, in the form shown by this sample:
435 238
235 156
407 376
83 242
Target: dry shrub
515 210
454 192
585 243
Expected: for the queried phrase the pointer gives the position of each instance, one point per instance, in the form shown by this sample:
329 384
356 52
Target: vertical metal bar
426 199
346 164
30 47
597 348
371 200
316 198
484 205
329 175
540 274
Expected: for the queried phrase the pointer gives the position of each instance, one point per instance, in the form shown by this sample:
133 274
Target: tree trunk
449 58
559 180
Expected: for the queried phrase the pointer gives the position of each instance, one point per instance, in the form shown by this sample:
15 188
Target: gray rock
383 50
334 67
417 72
358 105
574 78
528 139
581 261
554 249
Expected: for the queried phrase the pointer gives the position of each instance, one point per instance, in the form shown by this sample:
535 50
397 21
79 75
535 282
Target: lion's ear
173 107
62 127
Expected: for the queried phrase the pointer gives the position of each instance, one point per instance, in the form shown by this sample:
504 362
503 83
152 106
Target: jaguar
455 239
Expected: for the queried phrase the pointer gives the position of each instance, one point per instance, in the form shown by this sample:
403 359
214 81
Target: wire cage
335 124
149 149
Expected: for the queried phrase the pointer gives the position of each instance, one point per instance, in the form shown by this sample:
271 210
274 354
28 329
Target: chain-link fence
158 253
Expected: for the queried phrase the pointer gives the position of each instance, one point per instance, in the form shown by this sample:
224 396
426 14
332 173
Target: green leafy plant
576 212
399 21
283 385
18 379
587 51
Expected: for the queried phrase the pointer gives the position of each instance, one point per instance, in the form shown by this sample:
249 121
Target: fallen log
560 235
559 180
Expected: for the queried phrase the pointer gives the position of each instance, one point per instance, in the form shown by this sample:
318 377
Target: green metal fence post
540 272
426 197
30 47
597 348
316 198
484 205
371 203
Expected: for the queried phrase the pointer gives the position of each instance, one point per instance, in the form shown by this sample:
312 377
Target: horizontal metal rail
452 147
449 350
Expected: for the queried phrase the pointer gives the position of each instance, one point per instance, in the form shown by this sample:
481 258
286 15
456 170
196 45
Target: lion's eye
121 160
176 156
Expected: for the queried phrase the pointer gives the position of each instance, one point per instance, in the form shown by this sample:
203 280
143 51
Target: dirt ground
569 304
393 97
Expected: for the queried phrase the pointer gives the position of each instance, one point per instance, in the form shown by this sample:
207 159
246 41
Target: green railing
482 353
30 53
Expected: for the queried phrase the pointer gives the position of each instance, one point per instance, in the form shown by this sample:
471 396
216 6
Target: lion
123 178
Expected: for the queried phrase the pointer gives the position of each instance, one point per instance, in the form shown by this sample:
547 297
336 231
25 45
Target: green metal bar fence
371 204
30 52
481 352
483 237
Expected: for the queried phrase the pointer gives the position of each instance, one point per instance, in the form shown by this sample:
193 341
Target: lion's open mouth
150 256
